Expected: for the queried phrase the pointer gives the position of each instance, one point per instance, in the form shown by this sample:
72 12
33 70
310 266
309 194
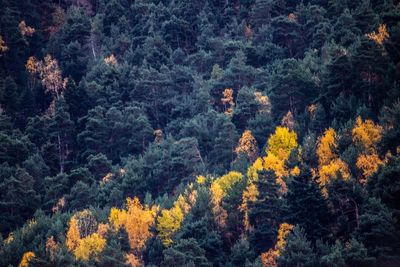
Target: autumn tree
265 212
84 238
248 146
170 220
49 74
137 221
366 134
227 101
329 162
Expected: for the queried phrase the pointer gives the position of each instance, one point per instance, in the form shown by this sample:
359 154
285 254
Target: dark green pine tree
55 188
385 185
292 88
9 95
77 99
377 231
62 134
186 252
265 213
18 199
306 207
246 108
298 250
222 153
372 70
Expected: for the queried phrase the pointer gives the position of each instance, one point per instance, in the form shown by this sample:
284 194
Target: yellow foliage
227 101
264 103
248 146
326 146
89 247
73 235
367 133
280 145
379 37
272 162
283 232
26 258
216 193
249 195
169 223
368 164
282 142
329 172
219 189
117 218
268 259
136 220
329 162
201 179
295 171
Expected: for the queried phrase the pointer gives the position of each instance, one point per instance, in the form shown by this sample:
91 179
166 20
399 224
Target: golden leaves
170 220
219 189
282 142
49 74
26 258
268 259
227 101
326 147
136 220
82 238
249 196
89 247
367 133
264 103
380 36
330 165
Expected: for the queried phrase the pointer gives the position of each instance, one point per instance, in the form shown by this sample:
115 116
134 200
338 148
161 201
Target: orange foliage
82 238
111 61
3 46
248 146
51 247
368 164
227 101
326 147
367 133
249 195
136 220
288 121
330 165
379 37
26 258
25 30
268 259
49 74
263 102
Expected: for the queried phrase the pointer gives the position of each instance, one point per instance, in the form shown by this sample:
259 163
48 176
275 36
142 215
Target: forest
235 133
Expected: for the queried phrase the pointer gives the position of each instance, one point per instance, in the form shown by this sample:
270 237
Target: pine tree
307 208
265 213
298 250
